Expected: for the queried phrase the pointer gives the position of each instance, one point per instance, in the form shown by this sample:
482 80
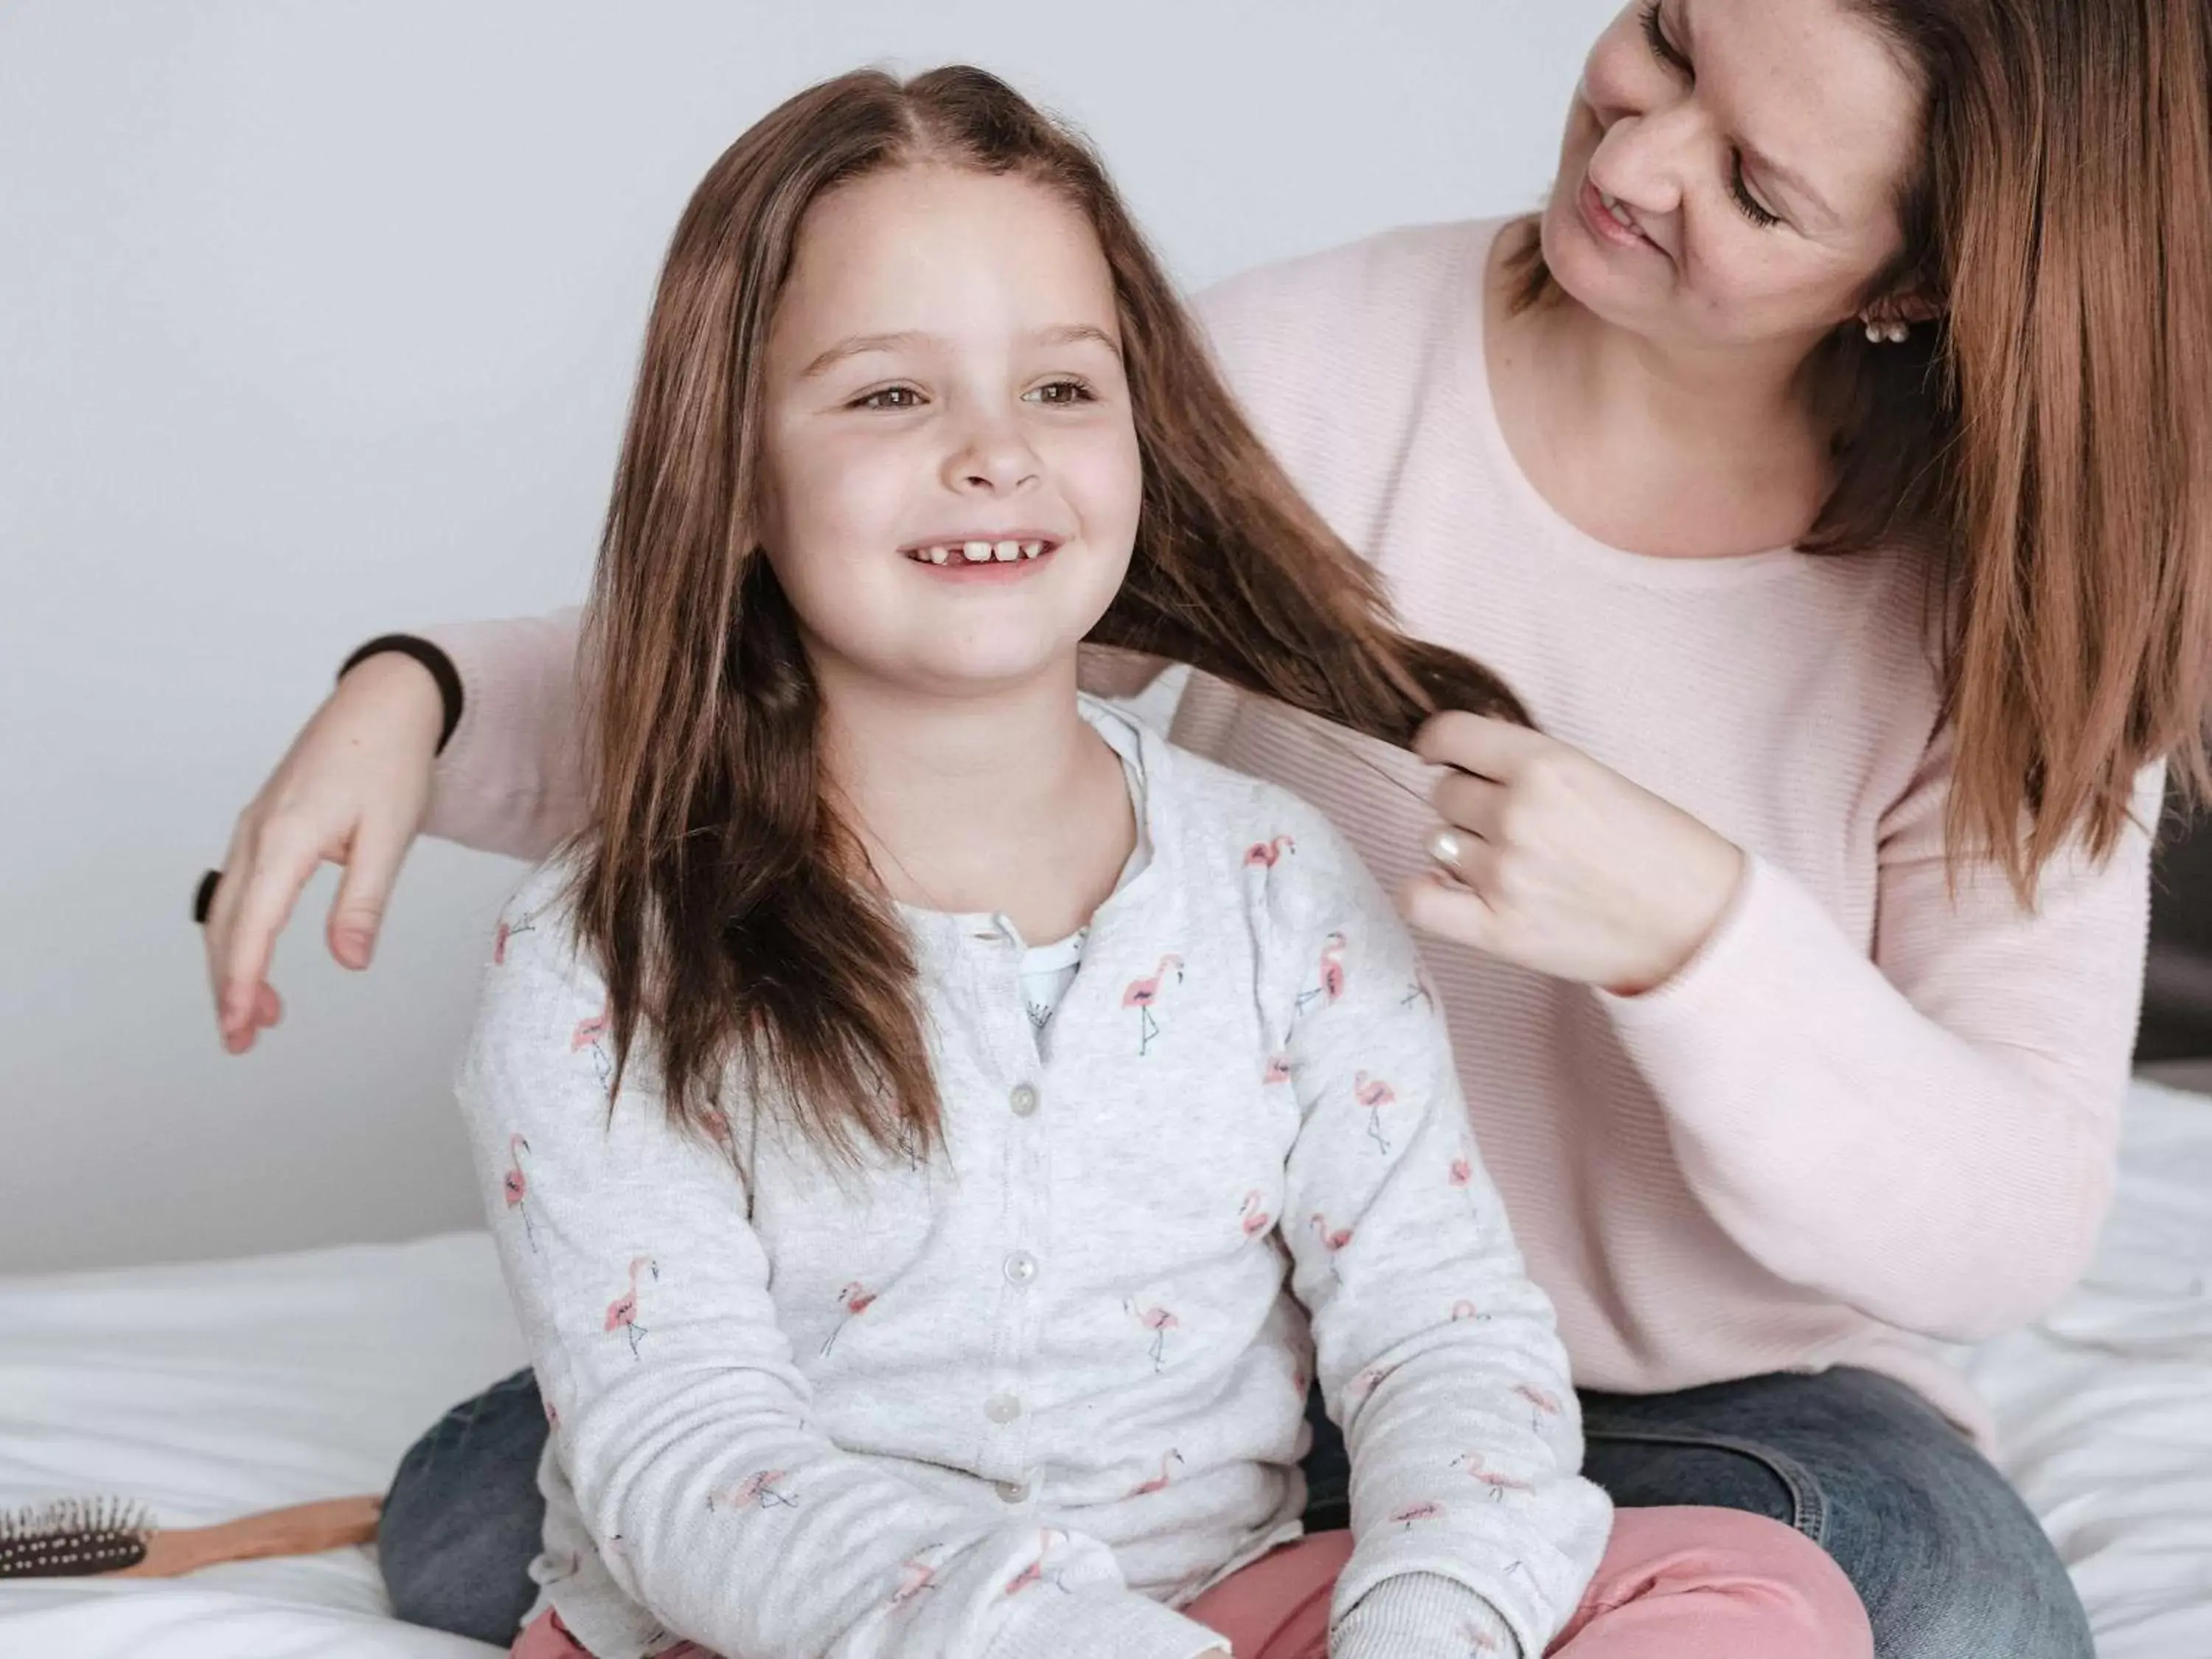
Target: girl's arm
682 1419
1930 1135
1436 1353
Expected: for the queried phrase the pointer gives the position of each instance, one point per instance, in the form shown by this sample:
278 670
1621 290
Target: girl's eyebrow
909 339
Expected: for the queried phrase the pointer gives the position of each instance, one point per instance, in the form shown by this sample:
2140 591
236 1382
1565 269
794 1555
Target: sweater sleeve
682 1419
1928 1134
511 777
1436 1353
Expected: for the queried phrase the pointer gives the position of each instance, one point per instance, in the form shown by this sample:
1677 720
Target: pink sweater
1870 1114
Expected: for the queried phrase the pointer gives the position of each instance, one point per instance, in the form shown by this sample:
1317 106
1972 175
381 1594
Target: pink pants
1676 1583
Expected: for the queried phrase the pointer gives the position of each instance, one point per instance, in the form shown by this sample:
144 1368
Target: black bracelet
204 896
440 665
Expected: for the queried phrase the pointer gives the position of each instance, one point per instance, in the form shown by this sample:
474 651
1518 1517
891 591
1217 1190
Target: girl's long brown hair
2050 435
733 915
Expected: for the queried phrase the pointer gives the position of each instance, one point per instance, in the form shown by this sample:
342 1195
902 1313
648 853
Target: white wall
317 320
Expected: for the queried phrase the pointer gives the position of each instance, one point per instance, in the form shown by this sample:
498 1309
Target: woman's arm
682 1419
489 754
1928 1135
511 778
1436 1352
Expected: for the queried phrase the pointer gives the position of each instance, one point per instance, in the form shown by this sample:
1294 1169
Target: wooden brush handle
302 1529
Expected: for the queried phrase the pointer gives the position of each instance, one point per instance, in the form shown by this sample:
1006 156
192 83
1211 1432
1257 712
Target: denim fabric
1950 1563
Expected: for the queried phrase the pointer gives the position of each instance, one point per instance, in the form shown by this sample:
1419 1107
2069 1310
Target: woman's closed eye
1664 49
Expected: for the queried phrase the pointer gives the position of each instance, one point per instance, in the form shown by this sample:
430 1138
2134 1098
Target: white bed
210 1390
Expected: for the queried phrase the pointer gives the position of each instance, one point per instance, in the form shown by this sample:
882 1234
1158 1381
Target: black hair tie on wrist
440 665
203 896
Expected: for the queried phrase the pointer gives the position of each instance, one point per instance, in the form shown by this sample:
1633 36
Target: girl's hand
353 789
1555 862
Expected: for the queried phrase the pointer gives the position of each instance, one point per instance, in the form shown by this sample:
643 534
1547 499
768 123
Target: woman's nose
1641 158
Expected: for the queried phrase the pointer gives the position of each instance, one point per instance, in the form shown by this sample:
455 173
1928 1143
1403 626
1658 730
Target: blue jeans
1948 1560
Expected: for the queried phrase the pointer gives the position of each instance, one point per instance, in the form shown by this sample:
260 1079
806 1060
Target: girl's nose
992 457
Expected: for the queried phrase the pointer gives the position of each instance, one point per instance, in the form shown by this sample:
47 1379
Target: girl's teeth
976 552
1007 552
937 555
1030 549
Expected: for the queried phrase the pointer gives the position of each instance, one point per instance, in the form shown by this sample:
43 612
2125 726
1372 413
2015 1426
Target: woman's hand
1555 862
353 789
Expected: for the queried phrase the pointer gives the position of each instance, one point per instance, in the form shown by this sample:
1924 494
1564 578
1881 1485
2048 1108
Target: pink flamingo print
1142 993
1252 1215
1370 1380
1047 1541
1332 1239
1331 973
587 1035
1376 1096
1428 1509
1463 1310
1160 1322
760 1489
1262 855
915 1576
1463 1171
1158 1482
1478 1640
515 1185
1543 1401
622 1312
506 931
1278 1070
1499 1485
1547 1405
857 1300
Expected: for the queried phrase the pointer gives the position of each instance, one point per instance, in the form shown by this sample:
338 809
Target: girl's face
1730 171
943 381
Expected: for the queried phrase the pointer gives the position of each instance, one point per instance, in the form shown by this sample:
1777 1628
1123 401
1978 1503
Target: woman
1825 469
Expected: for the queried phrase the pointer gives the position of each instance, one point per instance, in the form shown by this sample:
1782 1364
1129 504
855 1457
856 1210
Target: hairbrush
82 1537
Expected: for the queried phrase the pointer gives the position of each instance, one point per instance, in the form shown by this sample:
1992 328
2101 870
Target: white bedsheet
208 1391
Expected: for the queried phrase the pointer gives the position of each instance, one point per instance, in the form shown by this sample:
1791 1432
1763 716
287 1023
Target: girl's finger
1475 805
371 866
1435 904
1489 748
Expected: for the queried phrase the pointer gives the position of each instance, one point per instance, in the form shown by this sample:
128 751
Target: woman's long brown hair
2050 435
734 916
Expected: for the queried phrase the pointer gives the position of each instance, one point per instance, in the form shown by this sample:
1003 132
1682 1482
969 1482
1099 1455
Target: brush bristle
72 1538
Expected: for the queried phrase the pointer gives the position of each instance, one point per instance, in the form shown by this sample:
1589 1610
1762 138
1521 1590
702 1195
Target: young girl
904 1110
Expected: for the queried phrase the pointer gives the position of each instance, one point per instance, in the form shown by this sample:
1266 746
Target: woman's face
1731 170
953 476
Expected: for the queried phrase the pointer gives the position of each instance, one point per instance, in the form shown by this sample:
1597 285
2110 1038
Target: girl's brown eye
1062 393
891 397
